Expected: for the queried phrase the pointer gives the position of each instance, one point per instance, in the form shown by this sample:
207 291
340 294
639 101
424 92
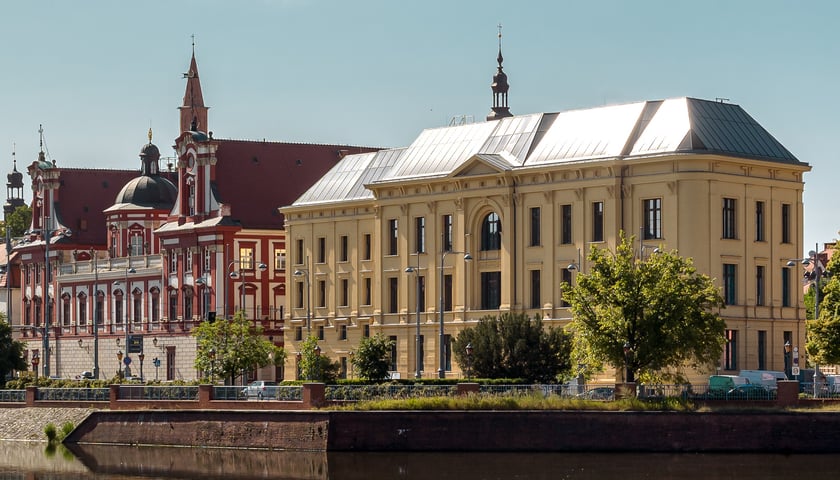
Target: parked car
750 391
599 393
260 389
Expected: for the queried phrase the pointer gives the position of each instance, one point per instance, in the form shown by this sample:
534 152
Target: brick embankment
28 423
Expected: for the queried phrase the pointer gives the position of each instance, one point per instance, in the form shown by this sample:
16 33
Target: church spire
500 88
193 111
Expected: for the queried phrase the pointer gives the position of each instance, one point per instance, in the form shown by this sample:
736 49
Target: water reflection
22 460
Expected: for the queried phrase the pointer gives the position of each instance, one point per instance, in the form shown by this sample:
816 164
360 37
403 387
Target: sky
98 74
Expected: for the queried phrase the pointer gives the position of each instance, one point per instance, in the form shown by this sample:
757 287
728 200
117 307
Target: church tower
193 111
14 189
500 89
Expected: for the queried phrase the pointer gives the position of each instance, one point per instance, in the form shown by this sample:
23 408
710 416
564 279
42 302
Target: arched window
65 309
137 305
82 309
491 232
155 308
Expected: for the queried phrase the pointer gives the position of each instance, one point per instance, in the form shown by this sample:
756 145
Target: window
246 258
322 293
785 287
421 302
491 233
598 221
392 236
137 309
653 218
136 242
366 330
785 223
342 332
188 261
566 224
298 334
155 304
491 290
82 309
343 371
173 262
368 291
762 349
173 305
392 356
759 285
320 331
535 289
368 247
118 308
393 295
447 233
759 221
188 305
208 256
447 293
420 234
421 347
65 310
447 347
345 292
730 352
343 250
299 296
535 226
322 250
99 309
299 251
729 284
729 218
279 258
567 281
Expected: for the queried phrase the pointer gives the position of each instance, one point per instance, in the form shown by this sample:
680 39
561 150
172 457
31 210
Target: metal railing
167 392
12 396
73 394
386 391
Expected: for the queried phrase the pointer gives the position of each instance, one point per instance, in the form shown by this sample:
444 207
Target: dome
149 191
150 151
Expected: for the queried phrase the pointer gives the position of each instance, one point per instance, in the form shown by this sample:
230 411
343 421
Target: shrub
50 432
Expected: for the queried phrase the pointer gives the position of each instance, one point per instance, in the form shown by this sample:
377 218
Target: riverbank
27 424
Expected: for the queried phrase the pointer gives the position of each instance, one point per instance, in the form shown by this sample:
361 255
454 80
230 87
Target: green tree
371 358
512 345
11 352
18 221
314 364
646 316
238 345
823 345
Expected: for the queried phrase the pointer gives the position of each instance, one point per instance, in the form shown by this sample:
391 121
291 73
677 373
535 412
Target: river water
34 461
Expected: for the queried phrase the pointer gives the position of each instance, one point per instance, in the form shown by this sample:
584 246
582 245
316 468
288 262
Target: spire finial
499 58
41 134
14 157
150 135
193 44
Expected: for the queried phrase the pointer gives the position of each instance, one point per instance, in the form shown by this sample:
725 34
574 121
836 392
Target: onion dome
149 189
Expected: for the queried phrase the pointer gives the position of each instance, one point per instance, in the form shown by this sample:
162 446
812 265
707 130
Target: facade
146 255
527 196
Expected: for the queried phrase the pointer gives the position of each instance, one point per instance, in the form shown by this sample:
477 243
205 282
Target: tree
314 364
11 352
512 345
18 221
823 344
647 316
238 346
371 360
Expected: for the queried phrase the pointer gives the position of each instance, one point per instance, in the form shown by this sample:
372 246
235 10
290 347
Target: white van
768 378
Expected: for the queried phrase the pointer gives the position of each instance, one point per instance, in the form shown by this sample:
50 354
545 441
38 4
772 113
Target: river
27 460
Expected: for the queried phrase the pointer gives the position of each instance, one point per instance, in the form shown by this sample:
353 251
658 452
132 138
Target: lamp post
628 357
441 340
204 282
232 274
418 360
141 356
95 268
46 234
352 366
126 325
317 363
469 350
119 362
156 363
298 357
212 355
35 360
813 277
788 373
304 272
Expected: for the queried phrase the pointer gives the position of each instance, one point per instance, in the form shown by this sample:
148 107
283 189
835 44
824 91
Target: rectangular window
730 352
598 221
342 332
368 291
137 309
366 330
343 248
759 221
447 346
342 373
393 295
298 334
785 287
392 355
155 307
136 244
762 349
345 292
535 289
421 301
785 223
82 311
491 290
299 251
65 313
567 281
730 218
322 250
368 247
447 233
730 292
322 293
173 306
653 218
246 258
279 258
535 226
300 295
447 293
392 236
420 235
566 224
208 255
188 261
118 309
173 262
320 332
759 285
421 347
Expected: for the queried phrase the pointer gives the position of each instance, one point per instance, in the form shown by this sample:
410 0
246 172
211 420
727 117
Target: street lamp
628 356
126 325
232 274
441 340
298 357
418 360
813 277
788 373
469 350
96 319
212 355
204 283
141 356
304 272
35 360
119 362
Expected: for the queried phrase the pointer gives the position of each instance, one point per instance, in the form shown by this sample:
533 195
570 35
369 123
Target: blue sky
97 74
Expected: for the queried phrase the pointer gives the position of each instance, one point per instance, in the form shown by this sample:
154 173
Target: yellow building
526 196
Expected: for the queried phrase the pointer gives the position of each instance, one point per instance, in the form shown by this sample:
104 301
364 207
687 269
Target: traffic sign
127 360
794 371
135 343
